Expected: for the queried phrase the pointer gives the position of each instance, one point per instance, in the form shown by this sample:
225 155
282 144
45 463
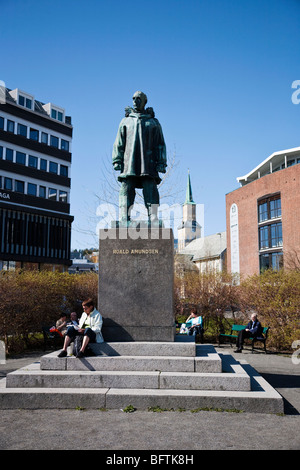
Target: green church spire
189 195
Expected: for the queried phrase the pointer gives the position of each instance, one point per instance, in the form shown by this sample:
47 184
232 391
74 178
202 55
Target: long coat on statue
140 147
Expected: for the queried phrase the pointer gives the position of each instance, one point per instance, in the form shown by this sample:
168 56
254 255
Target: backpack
77 344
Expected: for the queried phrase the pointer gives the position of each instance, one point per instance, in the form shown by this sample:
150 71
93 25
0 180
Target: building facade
189 228
263 216
197 253
208 253
35 167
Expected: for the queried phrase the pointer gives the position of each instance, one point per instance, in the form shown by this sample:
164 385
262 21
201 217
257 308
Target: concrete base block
259 402
205 380
140 348
52 362
202 381
129 363
58 398
136 284
138 333
81 379
113 358
33 377
207 360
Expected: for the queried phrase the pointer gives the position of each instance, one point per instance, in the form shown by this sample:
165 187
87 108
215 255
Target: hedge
30 299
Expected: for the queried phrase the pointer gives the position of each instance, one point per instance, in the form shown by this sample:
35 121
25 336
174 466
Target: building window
53 167
263 212
21 158
2 123
56 115
10 126
22 130
32 189
34 134
43 164
63 170
276 234
63 196
64 145
32 161
21 100
271 261
263 237
275 208
19 186
9 155
26 102
54 141
270 236
269 208
270 233
1 153
44 138
8 184
42 192
52 194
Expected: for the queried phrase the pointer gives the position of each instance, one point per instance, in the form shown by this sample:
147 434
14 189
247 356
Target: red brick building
263 216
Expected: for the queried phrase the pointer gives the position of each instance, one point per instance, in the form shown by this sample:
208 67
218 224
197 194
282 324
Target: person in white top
90 325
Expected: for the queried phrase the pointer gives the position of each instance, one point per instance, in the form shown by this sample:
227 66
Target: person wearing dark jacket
253 329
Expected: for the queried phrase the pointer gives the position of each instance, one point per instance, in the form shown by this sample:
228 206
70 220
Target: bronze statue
139 152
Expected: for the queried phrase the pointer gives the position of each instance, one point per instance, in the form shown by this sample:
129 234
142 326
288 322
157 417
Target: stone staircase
168 375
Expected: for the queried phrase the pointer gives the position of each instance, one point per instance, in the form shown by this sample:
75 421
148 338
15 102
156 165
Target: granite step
182 346
261 399
129 363
32 377
207 380
204 359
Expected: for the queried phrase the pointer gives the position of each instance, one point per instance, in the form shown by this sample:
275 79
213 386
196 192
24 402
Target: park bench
235 329
199 322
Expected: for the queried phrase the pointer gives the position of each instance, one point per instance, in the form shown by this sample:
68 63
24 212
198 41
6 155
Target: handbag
55 330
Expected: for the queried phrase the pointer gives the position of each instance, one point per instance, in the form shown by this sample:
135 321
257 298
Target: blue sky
218 74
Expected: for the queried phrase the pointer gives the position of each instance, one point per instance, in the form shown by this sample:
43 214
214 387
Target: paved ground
172 431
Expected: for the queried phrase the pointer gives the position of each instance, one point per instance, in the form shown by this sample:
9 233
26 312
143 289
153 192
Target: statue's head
139 101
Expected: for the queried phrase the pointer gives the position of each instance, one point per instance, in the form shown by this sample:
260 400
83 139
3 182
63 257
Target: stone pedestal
136 284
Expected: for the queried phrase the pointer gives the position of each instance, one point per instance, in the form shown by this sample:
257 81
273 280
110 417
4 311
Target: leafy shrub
275 297
31 299
211 293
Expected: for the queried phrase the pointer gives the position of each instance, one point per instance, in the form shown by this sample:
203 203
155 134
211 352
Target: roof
184 263
5 97
211 246
189 195
273 163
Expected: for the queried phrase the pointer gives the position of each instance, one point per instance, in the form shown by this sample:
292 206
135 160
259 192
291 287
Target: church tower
189 228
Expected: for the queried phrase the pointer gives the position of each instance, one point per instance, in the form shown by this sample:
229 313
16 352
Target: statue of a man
139 152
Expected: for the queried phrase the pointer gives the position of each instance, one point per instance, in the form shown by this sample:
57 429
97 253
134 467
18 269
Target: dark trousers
240 339
127 195
72 332
197 329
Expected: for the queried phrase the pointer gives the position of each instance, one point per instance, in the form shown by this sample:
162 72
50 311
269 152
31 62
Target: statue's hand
117 166
161 168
